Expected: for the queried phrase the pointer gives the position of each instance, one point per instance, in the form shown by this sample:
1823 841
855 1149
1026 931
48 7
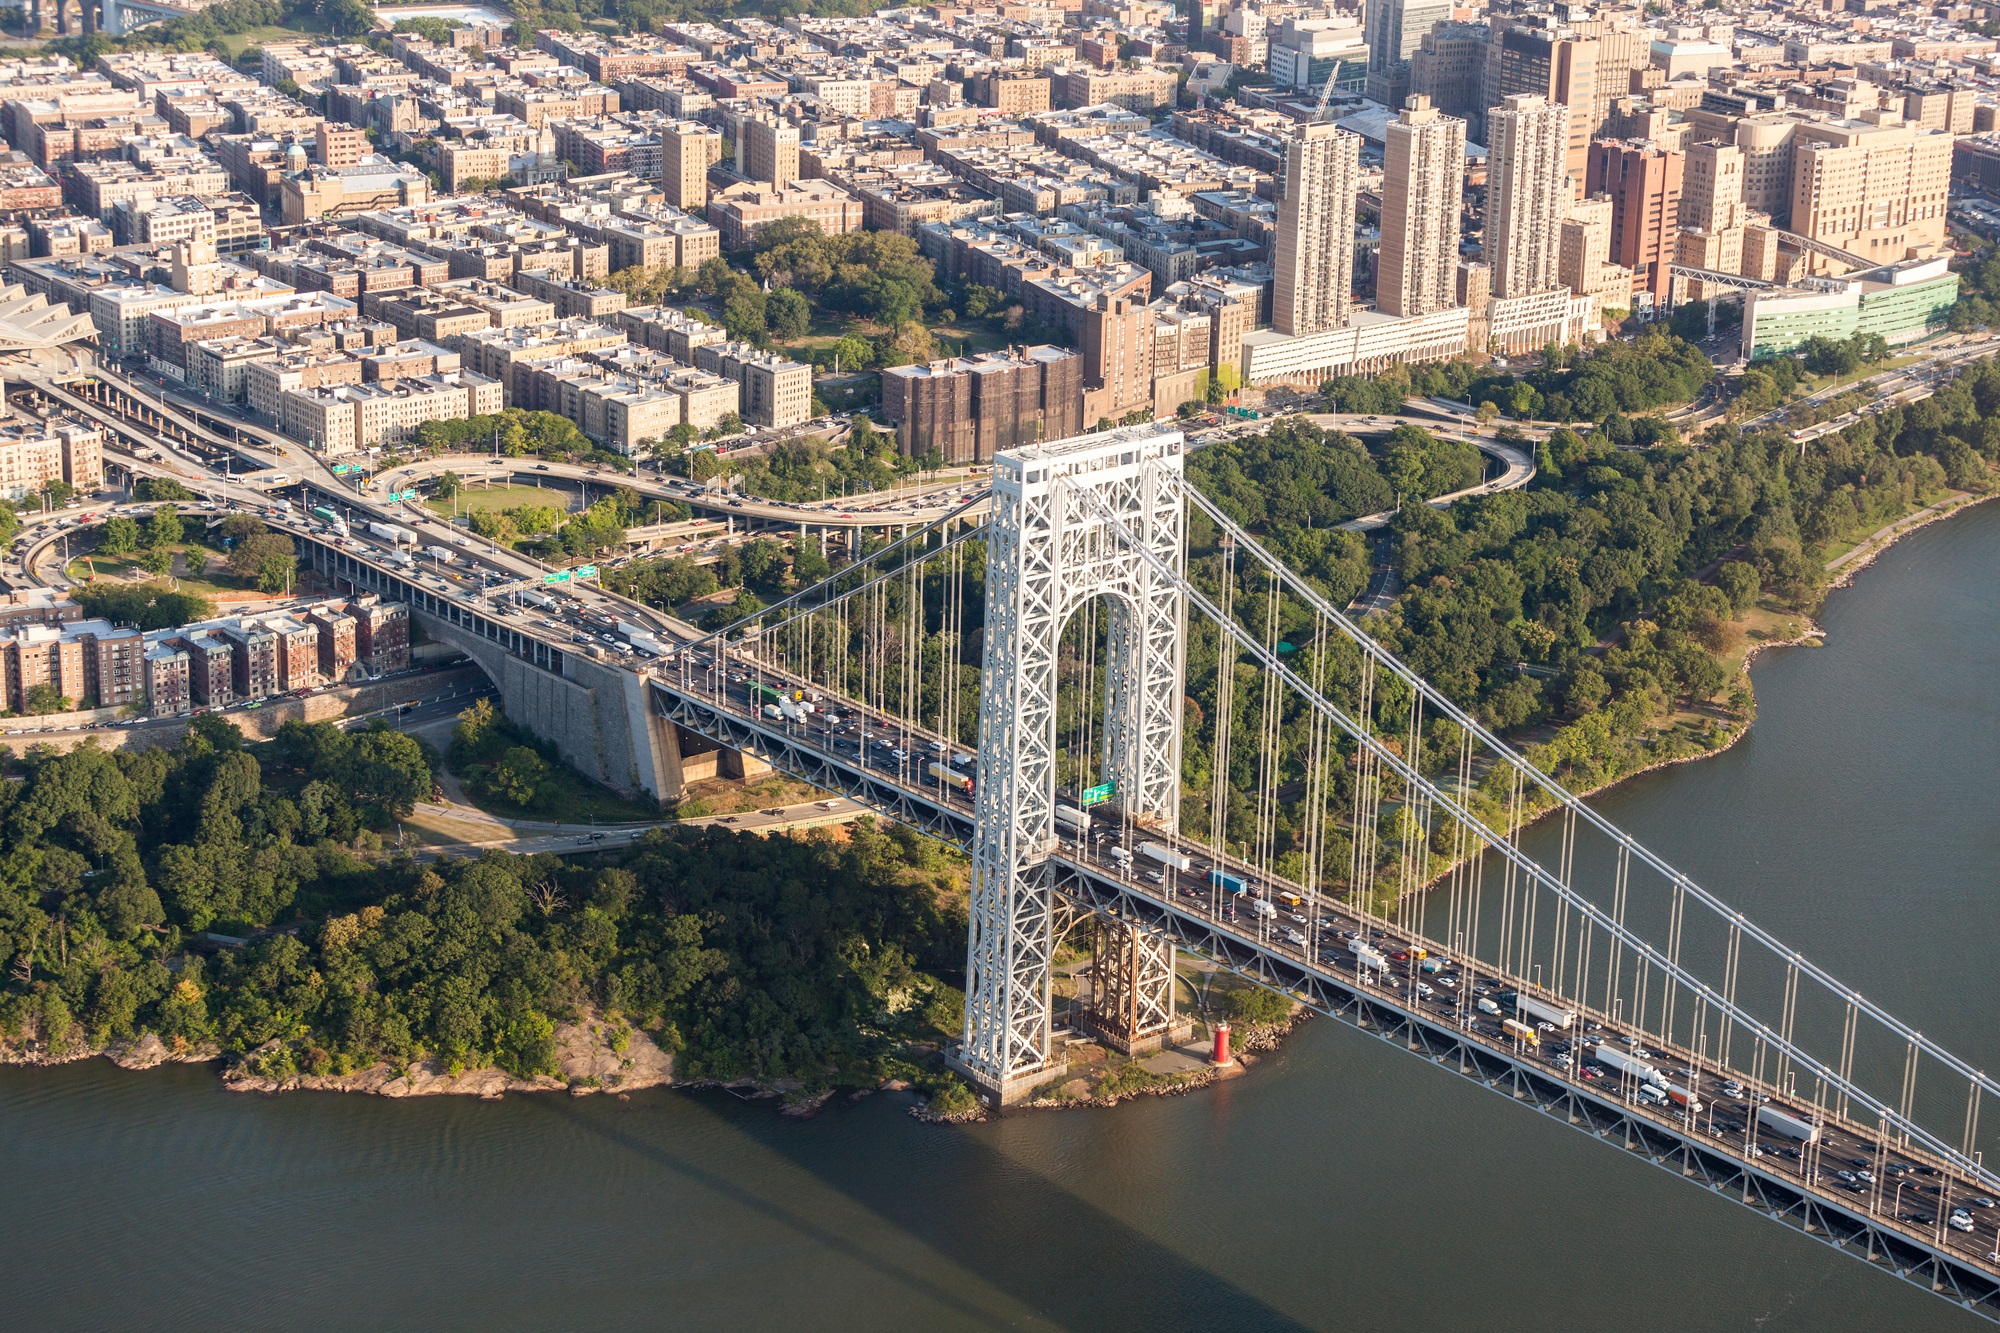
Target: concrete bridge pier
691 757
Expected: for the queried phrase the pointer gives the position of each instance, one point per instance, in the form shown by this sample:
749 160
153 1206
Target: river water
1342 1185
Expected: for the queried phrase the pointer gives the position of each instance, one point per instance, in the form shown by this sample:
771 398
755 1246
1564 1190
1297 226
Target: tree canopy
810 959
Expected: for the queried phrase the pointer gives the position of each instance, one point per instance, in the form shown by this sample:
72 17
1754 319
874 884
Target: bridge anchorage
1278 794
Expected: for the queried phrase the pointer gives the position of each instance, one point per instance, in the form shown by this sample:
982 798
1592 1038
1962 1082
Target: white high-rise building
1315 251
1423 179
1527 193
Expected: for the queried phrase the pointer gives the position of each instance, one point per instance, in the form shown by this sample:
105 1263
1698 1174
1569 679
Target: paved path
1883 536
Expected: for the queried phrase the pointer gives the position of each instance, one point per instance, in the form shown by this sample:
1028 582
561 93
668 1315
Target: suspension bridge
1146 729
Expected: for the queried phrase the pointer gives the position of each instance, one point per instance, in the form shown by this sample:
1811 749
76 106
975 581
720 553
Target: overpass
552 669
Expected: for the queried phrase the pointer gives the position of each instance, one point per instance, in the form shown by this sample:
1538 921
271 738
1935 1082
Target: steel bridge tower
1050 551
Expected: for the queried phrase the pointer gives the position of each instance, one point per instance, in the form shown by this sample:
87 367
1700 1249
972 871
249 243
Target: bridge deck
1899 1227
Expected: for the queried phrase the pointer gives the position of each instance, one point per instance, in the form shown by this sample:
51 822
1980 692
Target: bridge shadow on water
1063 1258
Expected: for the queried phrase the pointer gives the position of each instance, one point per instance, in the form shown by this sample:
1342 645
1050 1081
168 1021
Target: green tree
1254 1004
156 560
45 698
1738 580
251 555
744 315
164 527
160 488
446 484
275 573
120 535
851 353
519 775
788 314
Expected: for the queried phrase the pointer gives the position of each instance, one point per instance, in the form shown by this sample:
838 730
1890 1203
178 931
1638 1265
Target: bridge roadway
1896 1219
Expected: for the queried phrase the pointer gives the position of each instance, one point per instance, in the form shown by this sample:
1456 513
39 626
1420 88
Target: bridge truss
1323 795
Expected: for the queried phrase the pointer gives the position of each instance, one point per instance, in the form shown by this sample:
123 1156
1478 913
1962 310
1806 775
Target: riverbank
1870 548
591 1056
1850 563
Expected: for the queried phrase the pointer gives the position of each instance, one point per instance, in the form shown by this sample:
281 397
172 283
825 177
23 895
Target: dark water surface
1343 1186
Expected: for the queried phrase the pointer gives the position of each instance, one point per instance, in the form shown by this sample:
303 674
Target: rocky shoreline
1248 1045
592 1055
146 1051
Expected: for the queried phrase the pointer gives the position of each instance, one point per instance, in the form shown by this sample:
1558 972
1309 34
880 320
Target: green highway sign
1100 794
401 495
560 576
585 571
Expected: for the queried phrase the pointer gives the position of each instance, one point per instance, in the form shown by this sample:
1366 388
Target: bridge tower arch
1050 551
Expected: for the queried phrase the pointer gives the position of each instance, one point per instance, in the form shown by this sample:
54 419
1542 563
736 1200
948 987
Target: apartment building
739 212
1527 192
344 418
1315 248
34 453
968 408
1423 179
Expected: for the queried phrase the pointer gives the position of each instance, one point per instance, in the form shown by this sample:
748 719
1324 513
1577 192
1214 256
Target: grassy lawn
727 797
235 43
219 583
1764 623
1820 384
567 798
506 497
966 337
828 327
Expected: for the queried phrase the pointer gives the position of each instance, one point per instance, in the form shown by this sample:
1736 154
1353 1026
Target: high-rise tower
1315 251
1424 175
1527 192
1393 31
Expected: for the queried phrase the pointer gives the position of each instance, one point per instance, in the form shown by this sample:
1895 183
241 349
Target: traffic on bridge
1417 917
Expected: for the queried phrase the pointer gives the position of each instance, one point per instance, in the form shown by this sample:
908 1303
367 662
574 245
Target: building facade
1527 192
1315 244
1423 177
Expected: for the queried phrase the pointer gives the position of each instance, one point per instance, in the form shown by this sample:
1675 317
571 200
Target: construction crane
1326 93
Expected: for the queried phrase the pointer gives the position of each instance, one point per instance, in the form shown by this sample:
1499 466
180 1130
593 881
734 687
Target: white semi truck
1627 1065
1791 1126
394 534
1535 1011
